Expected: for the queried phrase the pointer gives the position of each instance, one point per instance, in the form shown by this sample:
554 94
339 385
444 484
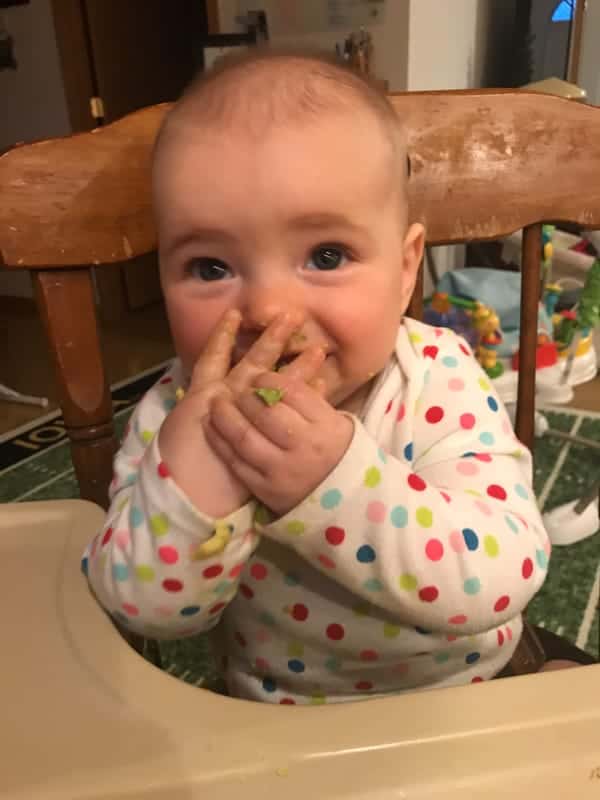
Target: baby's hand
283 450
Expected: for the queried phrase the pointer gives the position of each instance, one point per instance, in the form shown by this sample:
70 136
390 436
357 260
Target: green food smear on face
269 396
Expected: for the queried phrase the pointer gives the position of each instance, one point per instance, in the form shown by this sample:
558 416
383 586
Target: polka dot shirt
408 567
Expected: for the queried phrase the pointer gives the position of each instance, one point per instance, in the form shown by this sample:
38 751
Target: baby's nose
261 306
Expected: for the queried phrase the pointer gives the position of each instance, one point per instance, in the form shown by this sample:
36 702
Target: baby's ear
414 243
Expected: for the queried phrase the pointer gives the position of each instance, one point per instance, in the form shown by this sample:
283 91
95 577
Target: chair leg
65 300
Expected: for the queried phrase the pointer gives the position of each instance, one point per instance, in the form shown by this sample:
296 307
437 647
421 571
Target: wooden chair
484 164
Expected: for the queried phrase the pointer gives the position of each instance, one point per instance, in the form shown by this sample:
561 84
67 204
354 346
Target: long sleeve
140 565
442 530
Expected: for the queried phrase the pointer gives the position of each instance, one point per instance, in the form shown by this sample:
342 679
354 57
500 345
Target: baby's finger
305 366
296 394
215 360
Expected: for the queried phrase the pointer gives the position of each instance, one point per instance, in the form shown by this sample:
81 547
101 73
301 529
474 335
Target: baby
339 492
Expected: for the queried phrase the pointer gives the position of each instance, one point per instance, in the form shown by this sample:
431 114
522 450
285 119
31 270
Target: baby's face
305 219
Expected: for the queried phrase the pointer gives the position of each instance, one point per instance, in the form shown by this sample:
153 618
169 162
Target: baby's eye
208 269
327 257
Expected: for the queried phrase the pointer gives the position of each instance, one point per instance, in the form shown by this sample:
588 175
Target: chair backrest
484 164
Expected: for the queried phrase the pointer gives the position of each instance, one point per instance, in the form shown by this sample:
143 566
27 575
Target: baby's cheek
190 329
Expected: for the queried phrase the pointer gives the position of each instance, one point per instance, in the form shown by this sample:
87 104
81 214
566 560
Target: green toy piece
270 397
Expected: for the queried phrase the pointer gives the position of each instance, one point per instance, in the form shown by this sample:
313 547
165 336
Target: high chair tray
84 716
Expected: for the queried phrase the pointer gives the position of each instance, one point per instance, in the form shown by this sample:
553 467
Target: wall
589 64
31 97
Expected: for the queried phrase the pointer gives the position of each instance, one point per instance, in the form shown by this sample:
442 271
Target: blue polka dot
422 631
169 404
269 685
365 554
450 361
120 572
136 517
382 455
331 499
189 611
441 658
470 454
295 665
522 491
472 657
373 585
267 619
472 585
292 579
408 451
84 566
399 517
512 524
129 480
541 558
333 664
487 438
492 403
471 539
120 618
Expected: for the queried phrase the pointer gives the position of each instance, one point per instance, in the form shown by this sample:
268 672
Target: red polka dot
217 608
388 407
107 534
428 594
502 603
458 619
213 571
509 633
496 491
168 554
434 549
240 639
363 686
450 637
465 349
130 609
326 562
416 483
401 413
467 421
477 679
235 571
287 701
335 536
446 497
262 665
246 591
369 655
163 470
335 632
434 414
430 351
527 568
166 380
259 572
172 585
299 612
485 457
438 332
500 638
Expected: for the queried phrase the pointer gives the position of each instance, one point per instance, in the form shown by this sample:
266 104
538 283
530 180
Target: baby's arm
446 533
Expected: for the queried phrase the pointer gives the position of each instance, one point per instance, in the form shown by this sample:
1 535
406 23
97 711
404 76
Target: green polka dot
399 517
541 558
222 587
295 650
333 664
390 631
147 436
408 582
262 515
143 572
441 658
372 477
331 499
373 585
424 517
473 492
267 619
491 546
472 585
295 528
512 524
159 524
484 384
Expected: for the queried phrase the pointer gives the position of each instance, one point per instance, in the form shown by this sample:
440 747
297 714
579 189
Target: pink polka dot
168 554
172 585
335 632
429 594
263 636
457 542
235 571
401 413
484 508
446 497
163 470
434 549
327 562
335 536
509 633
500 638
416 483
122 539
527 568
506 426
213 571
434 414
131 610
502 603
467 467
450 637
369 655
164 611
217 608
456 384
458 619
107 536
258 571
262 665
467 421
376 511
496 491
240 639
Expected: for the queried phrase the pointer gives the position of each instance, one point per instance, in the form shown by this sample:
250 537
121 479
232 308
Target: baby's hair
265 86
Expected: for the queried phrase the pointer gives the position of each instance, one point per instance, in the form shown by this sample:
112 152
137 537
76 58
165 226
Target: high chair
84 715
